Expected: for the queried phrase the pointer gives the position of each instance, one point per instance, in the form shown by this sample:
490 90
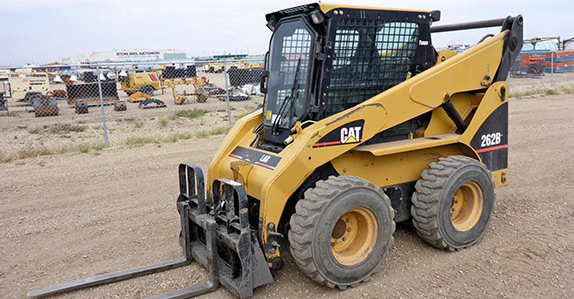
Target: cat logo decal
346 134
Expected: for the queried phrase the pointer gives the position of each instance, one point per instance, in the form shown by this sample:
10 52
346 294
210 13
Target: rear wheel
342 231
453 202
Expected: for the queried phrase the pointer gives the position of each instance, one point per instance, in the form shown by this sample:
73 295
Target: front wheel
453 203
341 231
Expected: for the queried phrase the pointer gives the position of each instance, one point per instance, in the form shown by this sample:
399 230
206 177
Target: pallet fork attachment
217 235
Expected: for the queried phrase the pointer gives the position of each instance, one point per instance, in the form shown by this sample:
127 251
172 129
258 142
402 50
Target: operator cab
324 59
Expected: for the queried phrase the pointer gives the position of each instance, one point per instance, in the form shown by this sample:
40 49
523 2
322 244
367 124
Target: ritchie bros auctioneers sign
138 53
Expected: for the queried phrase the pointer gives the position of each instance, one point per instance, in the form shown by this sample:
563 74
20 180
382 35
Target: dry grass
44 151
212 132
60 129
4 158
163 120
175 137
191 114
66 128
137 123
139 140
542 91
178 136
242 114
35 130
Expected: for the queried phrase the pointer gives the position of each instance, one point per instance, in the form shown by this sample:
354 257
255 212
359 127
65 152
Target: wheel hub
339 229
467 205
354 236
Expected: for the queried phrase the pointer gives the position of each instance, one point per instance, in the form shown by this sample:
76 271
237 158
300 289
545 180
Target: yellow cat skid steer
364 125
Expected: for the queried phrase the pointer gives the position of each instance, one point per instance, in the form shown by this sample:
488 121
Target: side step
207 231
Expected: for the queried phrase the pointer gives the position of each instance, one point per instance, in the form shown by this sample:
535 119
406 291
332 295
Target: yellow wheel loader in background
146 82
364 125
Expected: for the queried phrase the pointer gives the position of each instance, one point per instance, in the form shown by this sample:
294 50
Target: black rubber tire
313 222
147 89
433 198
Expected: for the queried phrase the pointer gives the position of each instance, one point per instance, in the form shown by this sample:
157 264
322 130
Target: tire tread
307 213
426 198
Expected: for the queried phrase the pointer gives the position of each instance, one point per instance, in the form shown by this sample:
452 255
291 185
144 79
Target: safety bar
472 25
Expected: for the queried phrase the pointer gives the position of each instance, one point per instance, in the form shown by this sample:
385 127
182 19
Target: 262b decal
490 139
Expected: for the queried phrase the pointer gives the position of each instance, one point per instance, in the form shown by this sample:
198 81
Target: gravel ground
532 83
70 216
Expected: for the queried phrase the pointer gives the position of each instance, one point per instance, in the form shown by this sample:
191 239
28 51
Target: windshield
289 54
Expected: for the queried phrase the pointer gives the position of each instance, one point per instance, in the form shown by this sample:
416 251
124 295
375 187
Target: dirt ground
70 216
520 85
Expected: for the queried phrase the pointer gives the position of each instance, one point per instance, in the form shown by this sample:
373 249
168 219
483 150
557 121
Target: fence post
552 70
225 74
99 73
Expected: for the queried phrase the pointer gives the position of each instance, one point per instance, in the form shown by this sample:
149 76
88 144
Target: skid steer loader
364 125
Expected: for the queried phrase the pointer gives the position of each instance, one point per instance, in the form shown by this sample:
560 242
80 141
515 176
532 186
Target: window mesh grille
370 56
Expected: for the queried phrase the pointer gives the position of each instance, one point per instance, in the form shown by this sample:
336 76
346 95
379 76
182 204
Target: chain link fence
68 108
47 111
542 72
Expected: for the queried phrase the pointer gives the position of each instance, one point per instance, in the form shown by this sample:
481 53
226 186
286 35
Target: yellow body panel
135 81
383 165
394 147
392 169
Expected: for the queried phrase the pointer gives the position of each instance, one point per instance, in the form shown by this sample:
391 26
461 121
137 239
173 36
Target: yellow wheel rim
354 236
467 206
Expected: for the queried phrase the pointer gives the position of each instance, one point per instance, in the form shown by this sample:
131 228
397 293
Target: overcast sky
41 31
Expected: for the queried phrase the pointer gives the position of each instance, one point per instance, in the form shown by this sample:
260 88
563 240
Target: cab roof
326 7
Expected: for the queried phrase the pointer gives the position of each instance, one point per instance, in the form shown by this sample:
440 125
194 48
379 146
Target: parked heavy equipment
138 97
199 92
364 125
141 85
146 82
45 106
25 86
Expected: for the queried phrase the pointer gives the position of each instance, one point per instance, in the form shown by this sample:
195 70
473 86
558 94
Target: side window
346 42
396 42
369 57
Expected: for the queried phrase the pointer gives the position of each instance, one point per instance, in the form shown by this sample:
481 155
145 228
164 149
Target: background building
129 56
